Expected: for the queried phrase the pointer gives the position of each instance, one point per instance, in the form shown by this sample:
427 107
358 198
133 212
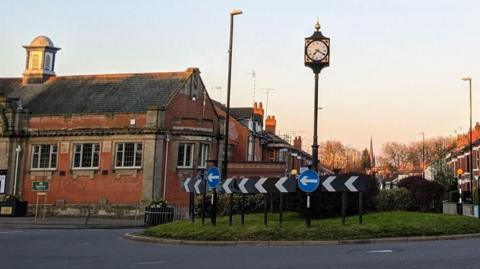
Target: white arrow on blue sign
308 181
213 177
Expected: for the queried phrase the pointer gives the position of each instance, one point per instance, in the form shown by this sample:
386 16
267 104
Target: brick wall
85 186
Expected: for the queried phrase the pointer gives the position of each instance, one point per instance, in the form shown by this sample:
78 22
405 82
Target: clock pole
317 57
315 125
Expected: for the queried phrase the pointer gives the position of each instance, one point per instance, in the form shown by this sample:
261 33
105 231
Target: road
106 249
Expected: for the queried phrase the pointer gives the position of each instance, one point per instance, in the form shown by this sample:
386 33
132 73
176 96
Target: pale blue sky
396 66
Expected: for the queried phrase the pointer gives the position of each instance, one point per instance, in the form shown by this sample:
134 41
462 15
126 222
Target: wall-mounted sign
3 181
40 185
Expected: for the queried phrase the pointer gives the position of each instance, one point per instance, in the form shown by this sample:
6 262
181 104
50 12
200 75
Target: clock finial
317 25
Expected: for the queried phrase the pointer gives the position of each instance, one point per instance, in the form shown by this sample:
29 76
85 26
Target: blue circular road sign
308 181
213 177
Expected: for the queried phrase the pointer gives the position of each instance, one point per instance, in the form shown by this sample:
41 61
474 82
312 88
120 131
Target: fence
450 208
160 214
460 209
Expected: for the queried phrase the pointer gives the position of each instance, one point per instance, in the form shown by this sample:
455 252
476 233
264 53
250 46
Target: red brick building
119 141
112 140
458 160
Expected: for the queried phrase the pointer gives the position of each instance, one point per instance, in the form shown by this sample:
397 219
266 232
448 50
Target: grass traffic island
375 225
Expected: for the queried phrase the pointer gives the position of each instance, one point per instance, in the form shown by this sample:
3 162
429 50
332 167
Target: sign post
192 207
242 216
250 185
213 179
308 181
280 211
360 207
203 197
345 184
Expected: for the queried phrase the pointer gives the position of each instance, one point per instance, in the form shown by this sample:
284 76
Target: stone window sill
47 173
83 172
133 172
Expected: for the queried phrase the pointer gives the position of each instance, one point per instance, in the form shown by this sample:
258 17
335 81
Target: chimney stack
297 143
270 124
258 109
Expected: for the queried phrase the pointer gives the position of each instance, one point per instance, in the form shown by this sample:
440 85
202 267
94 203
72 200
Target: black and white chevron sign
244 185
342 183
194 184
265 185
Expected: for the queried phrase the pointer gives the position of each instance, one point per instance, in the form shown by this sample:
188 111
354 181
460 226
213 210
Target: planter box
13 209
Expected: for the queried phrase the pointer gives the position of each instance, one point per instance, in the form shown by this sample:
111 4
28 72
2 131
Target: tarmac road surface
88 248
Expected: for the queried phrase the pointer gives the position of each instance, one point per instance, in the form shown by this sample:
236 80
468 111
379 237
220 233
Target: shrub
159 203
427 194
329 204
12 198
253 204
396 199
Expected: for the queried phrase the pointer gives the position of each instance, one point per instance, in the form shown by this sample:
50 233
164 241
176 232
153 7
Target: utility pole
423 154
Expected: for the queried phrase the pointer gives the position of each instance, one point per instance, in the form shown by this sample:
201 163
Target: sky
395 68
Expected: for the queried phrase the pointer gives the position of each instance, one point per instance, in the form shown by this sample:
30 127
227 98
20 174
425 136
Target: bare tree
333 154
395 155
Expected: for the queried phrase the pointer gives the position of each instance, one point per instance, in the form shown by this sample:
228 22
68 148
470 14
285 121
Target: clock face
317 50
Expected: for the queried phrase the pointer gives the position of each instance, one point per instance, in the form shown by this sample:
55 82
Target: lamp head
236 12
466 78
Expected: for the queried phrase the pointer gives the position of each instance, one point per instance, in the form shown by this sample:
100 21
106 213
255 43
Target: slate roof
241 113
276 139
96 93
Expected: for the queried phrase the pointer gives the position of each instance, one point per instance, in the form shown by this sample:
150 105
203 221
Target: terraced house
115 141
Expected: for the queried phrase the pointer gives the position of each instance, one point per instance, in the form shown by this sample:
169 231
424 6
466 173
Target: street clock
317 50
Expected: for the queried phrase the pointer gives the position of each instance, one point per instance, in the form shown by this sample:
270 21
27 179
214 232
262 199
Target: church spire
372 155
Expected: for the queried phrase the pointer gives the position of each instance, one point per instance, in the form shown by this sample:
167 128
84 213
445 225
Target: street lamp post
233 13
470 163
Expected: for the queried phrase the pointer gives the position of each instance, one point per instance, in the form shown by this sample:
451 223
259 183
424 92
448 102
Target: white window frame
81 156
48 61
50 154
135 149
184 157
203 153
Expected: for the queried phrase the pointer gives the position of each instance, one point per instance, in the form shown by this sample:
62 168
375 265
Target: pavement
93 248
69 223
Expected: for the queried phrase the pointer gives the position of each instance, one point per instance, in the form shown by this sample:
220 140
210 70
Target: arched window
47 62
35 61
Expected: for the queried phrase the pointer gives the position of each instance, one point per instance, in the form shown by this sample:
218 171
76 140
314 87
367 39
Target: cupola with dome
40 64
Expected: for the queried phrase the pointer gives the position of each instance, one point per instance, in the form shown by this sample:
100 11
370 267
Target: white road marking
10 232
380 251
152 262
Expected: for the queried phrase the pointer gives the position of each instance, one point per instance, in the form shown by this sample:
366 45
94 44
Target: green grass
375 225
